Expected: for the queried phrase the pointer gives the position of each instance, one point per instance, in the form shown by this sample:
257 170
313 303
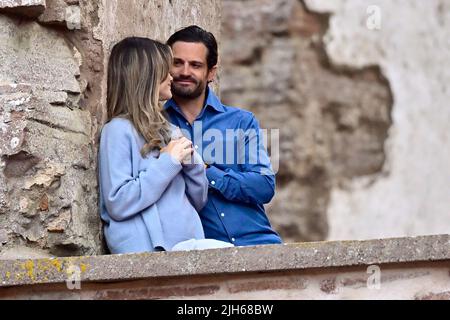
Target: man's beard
185 92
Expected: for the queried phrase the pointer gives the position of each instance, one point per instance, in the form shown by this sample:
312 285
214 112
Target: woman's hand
181 149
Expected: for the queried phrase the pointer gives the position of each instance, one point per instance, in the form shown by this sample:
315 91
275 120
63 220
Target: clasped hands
180 149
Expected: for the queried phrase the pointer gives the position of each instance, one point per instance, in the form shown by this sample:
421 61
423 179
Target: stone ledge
267 258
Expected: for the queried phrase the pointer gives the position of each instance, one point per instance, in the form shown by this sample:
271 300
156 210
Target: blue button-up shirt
240 175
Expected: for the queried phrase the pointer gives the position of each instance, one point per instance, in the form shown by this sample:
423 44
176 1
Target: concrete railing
397 268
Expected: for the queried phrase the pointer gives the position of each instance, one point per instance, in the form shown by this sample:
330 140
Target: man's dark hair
196 34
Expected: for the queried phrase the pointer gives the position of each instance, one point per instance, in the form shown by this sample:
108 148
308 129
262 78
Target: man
240 176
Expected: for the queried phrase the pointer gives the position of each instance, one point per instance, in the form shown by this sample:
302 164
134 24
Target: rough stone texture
410 195
154 19
52 99
22 252
407 268
62 12
47 156
28 8
333 121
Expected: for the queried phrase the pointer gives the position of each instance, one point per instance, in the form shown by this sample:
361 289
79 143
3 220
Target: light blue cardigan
147 204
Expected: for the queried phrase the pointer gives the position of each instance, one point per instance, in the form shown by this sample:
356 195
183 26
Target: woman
150 192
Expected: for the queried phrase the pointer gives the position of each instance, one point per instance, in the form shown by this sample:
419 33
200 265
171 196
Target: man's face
190 70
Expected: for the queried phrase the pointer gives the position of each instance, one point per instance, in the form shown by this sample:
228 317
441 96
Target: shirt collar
211 101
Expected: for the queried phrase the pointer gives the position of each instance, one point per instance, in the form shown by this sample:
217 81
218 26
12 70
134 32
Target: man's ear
212 73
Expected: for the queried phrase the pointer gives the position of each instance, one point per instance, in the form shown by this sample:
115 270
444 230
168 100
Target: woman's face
165 92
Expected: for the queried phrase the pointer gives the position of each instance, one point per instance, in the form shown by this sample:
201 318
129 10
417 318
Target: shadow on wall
333 121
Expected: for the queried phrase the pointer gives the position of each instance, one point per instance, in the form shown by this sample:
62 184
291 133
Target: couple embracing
160 190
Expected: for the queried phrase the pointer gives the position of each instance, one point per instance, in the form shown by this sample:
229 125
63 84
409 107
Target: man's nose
185 69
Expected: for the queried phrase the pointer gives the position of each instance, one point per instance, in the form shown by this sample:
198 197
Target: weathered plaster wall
410 195
333 121
53 57
363 113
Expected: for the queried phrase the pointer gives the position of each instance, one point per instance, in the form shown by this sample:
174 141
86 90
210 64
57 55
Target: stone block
28 8
61 13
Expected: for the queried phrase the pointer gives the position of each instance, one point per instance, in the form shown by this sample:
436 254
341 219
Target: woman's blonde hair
136 68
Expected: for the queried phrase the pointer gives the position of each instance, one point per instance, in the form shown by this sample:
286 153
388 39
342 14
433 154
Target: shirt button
213 182
233 239
187 123
222 214
196 146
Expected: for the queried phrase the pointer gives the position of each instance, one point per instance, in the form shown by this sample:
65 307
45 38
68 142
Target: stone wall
52 96
333 120
362 111
356 108
48 156
410 195
154 19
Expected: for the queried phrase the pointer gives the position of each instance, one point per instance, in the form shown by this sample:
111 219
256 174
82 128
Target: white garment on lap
200 244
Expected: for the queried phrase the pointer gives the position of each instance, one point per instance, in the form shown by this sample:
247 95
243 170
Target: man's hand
181 149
